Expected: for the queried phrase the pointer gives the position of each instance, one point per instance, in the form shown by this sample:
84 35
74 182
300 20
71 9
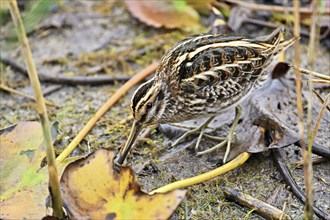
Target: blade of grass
307 168
319 117
41 109
315 34
319 97
109 103
319 81
311 73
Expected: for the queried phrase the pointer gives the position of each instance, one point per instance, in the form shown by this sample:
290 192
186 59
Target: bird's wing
207 59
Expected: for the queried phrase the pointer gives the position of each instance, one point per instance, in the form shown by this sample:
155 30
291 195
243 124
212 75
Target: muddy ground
90 37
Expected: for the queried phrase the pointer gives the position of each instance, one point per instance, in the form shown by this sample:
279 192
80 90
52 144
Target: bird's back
208 73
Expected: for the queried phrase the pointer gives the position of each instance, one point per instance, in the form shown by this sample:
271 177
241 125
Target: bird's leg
238 113
200 128
229 137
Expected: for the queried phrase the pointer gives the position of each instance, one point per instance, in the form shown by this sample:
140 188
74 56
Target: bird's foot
227 140
224 141
200 129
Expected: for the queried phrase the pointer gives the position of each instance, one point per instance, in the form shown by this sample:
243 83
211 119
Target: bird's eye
149 105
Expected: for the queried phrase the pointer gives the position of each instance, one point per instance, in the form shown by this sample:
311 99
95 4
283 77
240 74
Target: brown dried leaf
163 13
93 189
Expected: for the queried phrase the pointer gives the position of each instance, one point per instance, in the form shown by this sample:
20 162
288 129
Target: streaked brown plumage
202 76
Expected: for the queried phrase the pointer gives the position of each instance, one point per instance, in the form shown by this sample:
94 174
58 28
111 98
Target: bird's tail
275 42
283 45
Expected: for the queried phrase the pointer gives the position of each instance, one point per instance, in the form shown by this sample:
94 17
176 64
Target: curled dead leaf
170 14
92 189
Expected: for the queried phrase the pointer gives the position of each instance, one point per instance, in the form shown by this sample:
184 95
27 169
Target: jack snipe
202 76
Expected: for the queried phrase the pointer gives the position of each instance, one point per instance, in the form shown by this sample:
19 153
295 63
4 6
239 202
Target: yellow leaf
24 186
92 189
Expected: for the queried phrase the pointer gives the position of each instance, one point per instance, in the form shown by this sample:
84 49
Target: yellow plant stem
319 117
109 103
41 109
311 73
236 162
13 91
308 173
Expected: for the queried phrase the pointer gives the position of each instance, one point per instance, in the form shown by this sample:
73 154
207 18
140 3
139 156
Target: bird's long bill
136 128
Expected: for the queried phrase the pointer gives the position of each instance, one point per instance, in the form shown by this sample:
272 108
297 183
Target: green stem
41 109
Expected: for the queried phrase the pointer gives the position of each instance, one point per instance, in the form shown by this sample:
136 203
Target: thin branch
50 89
273 8
286 175
41 109
69 80
83 80
262 208
272 25
315 161
317 149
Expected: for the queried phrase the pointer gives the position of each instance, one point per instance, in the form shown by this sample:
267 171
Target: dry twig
264 209
317 160
279 160
68 80
273 8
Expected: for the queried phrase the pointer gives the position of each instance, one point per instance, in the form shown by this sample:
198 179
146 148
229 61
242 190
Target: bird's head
148 105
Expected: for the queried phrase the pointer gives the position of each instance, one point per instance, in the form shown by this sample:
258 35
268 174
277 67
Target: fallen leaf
24 186
21 156
167 13
92 189
201 6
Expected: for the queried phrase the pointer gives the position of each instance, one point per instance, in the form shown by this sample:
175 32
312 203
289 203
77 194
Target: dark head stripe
140 93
